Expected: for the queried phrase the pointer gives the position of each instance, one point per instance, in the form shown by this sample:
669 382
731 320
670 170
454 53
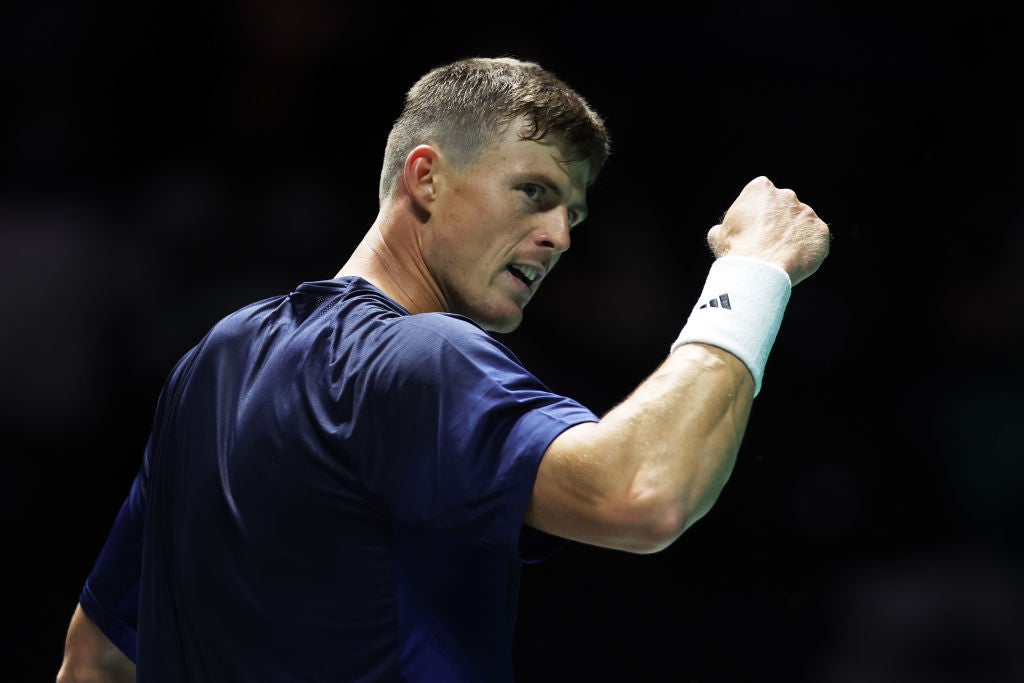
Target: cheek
474 235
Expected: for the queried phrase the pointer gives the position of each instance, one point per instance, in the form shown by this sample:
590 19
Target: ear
420 176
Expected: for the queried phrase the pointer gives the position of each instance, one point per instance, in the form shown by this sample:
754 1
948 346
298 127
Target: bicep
580 494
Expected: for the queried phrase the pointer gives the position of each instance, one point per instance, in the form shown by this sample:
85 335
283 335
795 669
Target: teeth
530 273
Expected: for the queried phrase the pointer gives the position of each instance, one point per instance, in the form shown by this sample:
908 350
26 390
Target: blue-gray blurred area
163 164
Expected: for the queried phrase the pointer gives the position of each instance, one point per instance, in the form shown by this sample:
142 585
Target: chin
501 322
495 316
502 325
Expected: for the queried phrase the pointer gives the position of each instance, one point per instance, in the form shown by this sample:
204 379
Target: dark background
161 165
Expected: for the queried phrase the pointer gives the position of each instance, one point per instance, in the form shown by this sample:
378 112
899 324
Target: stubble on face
486 222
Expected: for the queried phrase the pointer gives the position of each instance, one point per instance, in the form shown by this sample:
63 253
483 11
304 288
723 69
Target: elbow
652 526
657 520
656 538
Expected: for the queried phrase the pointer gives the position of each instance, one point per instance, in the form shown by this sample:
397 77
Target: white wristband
740 310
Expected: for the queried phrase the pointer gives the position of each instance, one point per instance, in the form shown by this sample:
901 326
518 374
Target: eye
532 190
546 199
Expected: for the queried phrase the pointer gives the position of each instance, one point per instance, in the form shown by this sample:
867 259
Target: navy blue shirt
333 490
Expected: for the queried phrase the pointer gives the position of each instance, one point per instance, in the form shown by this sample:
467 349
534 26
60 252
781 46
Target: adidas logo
722 300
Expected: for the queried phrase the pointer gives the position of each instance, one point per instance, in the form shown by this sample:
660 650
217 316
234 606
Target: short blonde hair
465 105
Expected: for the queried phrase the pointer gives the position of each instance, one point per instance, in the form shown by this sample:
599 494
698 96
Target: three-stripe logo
721 301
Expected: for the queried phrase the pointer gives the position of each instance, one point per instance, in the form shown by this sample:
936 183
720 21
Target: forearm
90 657
677 436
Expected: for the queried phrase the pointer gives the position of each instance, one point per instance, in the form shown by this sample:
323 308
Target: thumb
715 240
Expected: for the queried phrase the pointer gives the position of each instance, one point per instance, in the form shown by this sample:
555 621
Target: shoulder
431 349
433 333
449 326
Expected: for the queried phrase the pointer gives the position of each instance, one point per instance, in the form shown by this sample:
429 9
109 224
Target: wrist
740 310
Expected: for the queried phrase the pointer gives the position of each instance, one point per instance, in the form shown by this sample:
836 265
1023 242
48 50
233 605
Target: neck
389 258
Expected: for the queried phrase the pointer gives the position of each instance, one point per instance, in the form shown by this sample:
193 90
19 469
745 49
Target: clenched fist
769 223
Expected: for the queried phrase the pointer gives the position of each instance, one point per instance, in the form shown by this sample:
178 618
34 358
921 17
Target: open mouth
524 273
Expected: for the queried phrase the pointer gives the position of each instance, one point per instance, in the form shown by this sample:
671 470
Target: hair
465 105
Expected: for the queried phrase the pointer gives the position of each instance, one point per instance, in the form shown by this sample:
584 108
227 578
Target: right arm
657 462
90 657
101 639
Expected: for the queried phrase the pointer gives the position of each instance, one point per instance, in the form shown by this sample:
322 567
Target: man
342 483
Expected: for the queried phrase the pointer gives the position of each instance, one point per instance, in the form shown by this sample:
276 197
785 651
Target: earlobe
420 176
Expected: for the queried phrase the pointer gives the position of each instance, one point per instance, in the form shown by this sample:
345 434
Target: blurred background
163 164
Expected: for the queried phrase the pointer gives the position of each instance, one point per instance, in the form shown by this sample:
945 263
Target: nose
554 233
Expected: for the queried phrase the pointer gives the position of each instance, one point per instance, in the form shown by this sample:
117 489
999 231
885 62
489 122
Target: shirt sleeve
452 428
111 593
